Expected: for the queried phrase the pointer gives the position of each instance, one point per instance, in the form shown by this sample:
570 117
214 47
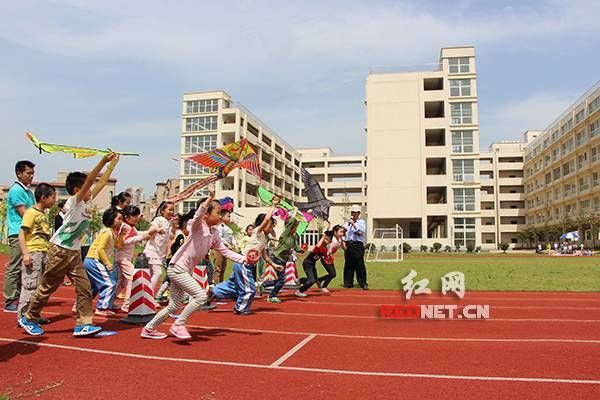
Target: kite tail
190 190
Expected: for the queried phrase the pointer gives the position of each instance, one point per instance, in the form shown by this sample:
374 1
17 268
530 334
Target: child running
336 242
180 235
287 244
241 284
131 236
99 264
202 238
64 256
34 241
310 262
157 247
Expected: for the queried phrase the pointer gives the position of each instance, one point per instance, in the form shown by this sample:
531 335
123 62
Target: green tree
437 246
504 246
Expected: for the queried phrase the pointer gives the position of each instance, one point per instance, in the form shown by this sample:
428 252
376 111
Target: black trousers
324 280
354 261
310 269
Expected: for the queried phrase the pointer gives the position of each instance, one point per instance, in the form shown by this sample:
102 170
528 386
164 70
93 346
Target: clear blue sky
112 74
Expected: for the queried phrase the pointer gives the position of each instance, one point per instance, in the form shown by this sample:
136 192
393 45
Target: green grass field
513 272
510 272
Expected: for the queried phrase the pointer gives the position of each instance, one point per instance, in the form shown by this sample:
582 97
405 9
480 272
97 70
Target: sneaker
324 290
300 294
43 321
125 308
152 334
274 299
11 307
30 327
180 332
247 312
105 313
208 307
86 330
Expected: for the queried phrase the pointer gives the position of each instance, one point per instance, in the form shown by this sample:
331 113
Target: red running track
536 345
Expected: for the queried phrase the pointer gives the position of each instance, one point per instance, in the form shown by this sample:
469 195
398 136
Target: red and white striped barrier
201 276
270 274
291 275
141 304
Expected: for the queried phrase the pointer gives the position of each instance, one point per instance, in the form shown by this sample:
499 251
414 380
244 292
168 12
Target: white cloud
510 120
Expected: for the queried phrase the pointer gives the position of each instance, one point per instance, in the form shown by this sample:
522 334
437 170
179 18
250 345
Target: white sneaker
300 294
324 290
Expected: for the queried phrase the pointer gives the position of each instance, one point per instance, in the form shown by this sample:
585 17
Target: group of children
175 244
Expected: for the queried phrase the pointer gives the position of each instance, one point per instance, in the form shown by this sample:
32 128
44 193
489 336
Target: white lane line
399 338
293 350
456 319
452 320
463 303
312 370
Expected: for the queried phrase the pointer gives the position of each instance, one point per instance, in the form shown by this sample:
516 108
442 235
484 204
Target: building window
202 106
187 206
463 170
594 104
458 65
462 141
199 124
464 232
203 192
199 144
595 128
193 168
464 199
460 87
462 113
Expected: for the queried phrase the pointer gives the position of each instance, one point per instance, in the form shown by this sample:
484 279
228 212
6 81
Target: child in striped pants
203 237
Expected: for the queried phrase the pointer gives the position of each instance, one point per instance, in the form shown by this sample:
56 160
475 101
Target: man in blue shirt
354 255
19 199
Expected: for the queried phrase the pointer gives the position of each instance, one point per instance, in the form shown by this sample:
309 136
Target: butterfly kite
221 162
78 152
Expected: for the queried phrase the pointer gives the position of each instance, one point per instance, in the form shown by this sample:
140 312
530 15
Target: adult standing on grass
355 250
20 198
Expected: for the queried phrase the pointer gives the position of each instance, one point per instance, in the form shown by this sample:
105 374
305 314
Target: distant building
137 195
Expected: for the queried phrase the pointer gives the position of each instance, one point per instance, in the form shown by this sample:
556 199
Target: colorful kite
316 199
303 217
221 162
78 152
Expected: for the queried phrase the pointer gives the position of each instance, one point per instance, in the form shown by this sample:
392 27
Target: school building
562 168
423 169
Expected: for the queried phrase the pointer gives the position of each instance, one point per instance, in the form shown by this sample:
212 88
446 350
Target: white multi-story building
211 120
562 167
423 151
502 192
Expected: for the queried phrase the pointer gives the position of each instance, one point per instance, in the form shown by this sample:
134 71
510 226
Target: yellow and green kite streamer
78 152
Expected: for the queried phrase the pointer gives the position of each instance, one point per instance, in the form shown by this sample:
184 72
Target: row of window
200 124
202 106
568 167
569 189
461 113
568 210
593 129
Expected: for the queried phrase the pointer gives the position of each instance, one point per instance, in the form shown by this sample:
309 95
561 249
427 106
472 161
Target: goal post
386 245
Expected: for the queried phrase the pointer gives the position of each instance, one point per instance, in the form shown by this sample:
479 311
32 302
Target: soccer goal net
386 245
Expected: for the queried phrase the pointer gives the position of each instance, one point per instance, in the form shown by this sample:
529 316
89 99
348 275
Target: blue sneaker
30 327
86 330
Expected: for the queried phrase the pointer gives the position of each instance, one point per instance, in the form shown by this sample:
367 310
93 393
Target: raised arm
91 178
201 211
105 177
269 214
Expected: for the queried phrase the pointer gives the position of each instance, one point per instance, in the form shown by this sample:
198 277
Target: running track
535 345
